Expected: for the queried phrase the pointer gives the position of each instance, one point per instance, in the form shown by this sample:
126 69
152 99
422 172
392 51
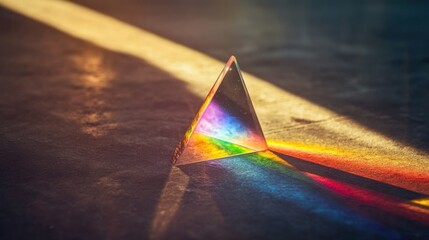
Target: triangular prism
226 124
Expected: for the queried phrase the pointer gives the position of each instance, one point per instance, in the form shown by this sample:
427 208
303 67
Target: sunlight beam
275 107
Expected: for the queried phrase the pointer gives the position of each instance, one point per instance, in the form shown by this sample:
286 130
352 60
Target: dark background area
87 133
363 59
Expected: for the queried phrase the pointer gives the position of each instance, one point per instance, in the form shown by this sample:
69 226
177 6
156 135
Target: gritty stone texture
86 134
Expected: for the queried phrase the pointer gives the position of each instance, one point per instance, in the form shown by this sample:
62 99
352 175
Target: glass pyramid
226 124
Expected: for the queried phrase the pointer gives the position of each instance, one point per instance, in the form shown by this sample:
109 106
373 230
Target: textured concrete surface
340 88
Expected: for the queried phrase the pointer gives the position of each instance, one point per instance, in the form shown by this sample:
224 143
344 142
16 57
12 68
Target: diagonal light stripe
169 202
274 106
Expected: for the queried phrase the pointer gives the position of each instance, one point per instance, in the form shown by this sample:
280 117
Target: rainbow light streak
267 175
415 209
216 118
374 167
202 109
202 147
189 66
232 130
226 124
371 198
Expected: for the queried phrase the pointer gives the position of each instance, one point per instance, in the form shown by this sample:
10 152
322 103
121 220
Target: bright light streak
169 202
191 66
384 166
275 106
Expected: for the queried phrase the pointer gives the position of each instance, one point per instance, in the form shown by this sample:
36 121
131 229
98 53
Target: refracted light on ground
226 124
384 166
275 106
379 200
333 140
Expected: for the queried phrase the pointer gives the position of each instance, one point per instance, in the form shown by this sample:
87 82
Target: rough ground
88 125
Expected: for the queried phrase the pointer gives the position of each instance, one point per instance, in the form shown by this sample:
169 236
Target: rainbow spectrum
226 124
